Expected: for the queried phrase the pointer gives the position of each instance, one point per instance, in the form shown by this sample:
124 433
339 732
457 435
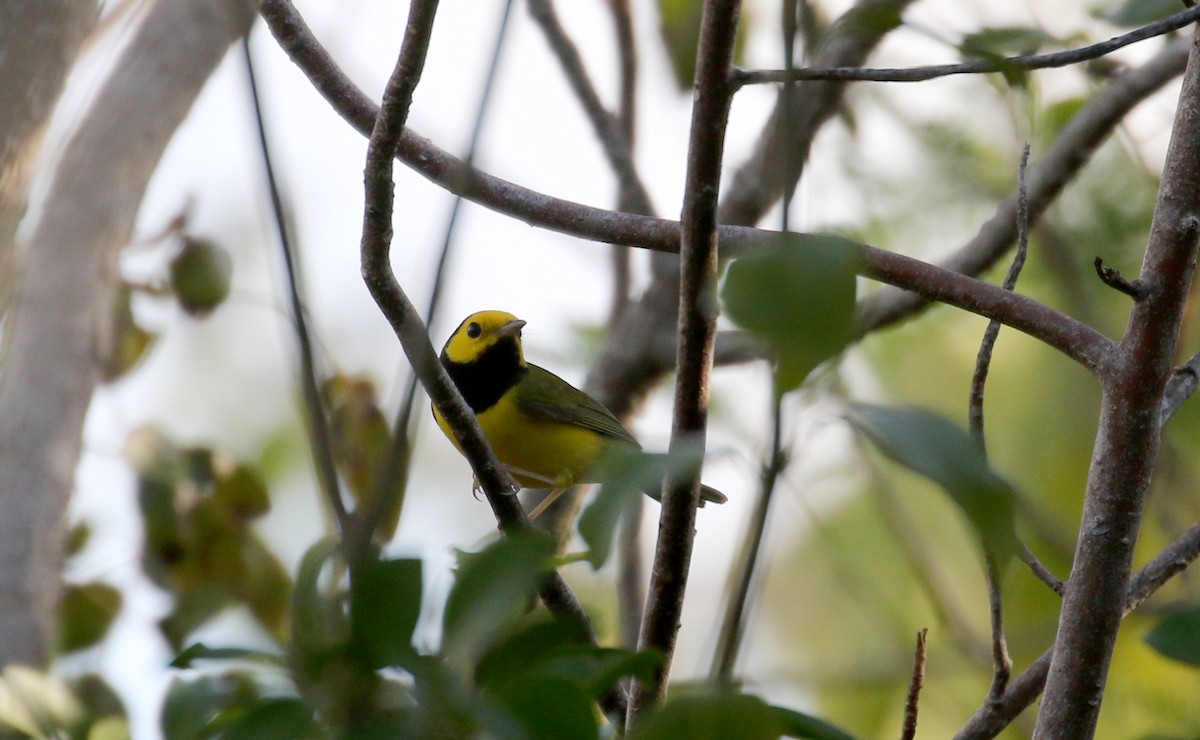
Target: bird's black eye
474 330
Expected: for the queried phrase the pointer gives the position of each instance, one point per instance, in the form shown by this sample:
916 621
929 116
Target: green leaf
990 43
312 634
711 717
362 444
937 449
798 296
85 614
598 669
680 31
129 342
283 717
385 601
549 708
1177 636
799 724
1134 13
626 474
997 44
507 658
200 651
242 493
201 275
195 710
492 588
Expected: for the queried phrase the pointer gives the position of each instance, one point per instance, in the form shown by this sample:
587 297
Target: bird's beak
511 329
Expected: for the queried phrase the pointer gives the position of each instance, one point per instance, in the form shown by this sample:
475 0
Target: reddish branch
1128 438
696 336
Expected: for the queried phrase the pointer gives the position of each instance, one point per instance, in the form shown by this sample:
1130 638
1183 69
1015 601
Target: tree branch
59 327
782 150
403 317
935 283
696 338
1061 162
1027 62
613 139
1128 438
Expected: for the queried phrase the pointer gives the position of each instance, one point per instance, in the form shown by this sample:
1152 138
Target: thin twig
696 336
626 122
1055 168
314 410
780 154
394 481
631 586
1113 278
915 684
1180 388
612 138
1024 62
729 639
996 714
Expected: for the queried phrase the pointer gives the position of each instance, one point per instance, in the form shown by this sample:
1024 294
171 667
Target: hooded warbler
548 433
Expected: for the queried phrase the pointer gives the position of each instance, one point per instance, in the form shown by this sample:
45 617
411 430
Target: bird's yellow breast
539 452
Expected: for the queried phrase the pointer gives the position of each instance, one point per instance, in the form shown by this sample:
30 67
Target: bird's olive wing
544 394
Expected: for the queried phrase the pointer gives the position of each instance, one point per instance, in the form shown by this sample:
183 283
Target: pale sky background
229 381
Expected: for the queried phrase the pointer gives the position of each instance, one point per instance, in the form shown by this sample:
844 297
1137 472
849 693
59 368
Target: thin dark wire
317 424
396 475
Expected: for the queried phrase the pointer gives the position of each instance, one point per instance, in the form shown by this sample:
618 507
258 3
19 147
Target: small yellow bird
548 433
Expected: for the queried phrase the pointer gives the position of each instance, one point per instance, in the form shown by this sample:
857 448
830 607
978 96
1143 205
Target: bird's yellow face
481 331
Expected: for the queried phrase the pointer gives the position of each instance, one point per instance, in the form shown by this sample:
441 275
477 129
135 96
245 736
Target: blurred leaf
711 717
996 44
492 588
680 30
242 492
507 657
549 708
798 295
109 728
1177 636
200 276
598 669
928 444
97 697
385 601
259 580
991 43
362 443
78 538
200 651
36 704
277 718
129 342
626 474
199 709
1140 12
799 724
85 614
315 634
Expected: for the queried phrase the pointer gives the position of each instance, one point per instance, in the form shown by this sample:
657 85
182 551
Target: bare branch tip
1113 278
